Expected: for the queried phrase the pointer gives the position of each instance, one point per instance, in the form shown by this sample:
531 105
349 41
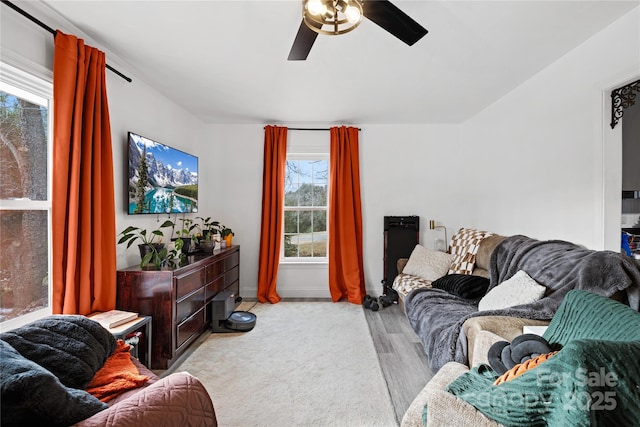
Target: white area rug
304 364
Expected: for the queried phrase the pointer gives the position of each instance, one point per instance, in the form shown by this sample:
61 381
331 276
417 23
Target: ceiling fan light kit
332 17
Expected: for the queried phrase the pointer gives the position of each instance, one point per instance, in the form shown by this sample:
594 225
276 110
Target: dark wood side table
136 325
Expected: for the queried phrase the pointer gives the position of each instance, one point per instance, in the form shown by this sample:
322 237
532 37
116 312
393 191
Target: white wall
232 156
555 173
403 172
137 107
132 106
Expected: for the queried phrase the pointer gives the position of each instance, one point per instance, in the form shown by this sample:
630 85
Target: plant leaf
146 259
129 229
125 238
162 254
167 223
179 243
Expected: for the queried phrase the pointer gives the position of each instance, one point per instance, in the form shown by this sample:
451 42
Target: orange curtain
275 157
83 207
346 271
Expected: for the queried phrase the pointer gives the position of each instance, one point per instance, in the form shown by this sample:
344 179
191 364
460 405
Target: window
305 207
25 201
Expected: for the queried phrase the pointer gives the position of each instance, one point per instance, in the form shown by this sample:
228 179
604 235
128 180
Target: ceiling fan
341 16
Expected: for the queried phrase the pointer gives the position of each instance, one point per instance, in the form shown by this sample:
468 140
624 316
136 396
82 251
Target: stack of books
111 319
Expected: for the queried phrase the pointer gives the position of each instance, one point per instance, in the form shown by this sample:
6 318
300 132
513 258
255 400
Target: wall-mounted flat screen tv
161 178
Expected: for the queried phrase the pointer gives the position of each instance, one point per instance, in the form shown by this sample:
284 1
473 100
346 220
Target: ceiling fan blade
302 43
392 19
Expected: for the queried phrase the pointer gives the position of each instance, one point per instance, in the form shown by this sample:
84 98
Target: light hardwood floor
402 358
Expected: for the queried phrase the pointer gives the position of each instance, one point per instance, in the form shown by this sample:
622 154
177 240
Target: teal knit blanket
594 380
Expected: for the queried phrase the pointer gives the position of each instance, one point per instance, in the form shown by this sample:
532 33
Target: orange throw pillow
521 368
118 375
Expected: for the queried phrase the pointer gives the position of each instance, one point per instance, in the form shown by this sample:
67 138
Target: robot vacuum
241 321
225 319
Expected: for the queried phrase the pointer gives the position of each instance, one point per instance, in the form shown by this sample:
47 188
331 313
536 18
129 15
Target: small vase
229 239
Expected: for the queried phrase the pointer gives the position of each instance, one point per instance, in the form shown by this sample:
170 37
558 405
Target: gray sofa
480 332
463 338
553 266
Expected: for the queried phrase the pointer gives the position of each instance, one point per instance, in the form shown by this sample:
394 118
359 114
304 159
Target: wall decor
622 98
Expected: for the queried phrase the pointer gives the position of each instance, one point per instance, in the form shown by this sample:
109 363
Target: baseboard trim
250 294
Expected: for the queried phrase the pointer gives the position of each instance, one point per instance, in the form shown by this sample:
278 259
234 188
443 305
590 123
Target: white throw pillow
428 264
517 290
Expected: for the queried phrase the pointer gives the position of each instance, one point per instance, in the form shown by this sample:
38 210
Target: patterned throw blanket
560 266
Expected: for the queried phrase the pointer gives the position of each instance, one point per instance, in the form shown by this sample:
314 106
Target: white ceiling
226 61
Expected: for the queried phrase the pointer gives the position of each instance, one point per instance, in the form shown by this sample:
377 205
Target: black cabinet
401 235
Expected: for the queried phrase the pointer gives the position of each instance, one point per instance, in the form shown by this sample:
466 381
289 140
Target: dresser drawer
231 276
214 270
189 305
231 261
190 327
234 287
189 282
214 287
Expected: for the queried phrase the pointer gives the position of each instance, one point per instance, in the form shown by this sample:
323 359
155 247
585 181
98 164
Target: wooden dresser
178 299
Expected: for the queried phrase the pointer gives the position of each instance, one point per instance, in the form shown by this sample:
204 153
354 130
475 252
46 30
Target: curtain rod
324 129
52 31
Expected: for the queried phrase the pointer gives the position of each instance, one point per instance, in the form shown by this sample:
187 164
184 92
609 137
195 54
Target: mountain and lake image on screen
162 179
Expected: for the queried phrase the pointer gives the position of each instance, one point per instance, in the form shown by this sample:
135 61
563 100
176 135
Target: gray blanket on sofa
45 367
72 348
560 266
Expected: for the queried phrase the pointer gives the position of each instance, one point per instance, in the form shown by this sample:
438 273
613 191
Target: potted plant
227 234
201 227
211 232
177 255
185 234
152 250
206 237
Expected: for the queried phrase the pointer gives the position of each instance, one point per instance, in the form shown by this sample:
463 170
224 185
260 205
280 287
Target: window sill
304 261
25 319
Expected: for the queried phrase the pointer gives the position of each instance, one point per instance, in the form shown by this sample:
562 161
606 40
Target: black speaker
401 235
